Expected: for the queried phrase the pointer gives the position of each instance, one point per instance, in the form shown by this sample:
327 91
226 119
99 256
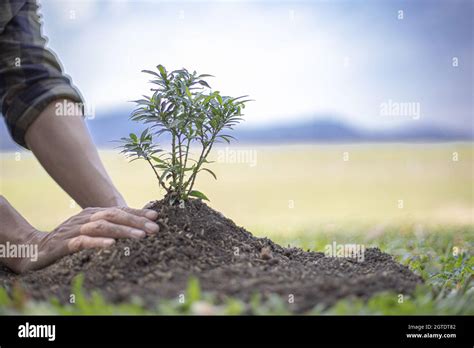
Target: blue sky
339 59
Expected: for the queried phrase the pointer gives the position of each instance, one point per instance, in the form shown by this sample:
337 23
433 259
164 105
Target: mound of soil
228 261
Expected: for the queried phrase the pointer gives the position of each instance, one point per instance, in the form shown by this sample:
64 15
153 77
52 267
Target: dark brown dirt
227 260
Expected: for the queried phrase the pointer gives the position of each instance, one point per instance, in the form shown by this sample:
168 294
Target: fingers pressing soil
228 261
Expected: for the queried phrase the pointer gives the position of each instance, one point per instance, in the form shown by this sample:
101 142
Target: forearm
65 149
15 230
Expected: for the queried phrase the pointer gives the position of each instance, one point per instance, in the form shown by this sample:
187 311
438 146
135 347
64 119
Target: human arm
91 228
31 84
64 148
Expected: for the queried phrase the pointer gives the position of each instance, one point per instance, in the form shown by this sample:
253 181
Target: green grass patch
441 256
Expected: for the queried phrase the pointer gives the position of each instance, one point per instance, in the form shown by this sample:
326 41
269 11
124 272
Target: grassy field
415 201
286 189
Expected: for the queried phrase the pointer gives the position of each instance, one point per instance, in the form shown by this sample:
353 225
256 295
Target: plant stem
181 173
173 155
202 157
187 153
193 175
156 173
185 164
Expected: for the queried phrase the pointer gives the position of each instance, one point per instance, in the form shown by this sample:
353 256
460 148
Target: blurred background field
306 196
286 190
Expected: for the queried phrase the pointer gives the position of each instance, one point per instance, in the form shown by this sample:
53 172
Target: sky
347 60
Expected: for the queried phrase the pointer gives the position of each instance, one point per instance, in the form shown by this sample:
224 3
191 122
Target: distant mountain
319 129
330 130
112 126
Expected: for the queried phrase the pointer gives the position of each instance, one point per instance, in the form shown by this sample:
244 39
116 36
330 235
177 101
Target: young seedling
194 117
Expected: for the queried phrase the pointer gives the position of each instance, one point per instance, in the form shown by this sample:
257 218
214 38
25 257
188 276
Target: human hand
91 228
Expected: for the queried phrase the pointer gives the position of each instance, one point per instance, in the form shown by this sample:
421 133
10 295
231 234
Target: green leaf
133 137
188 93
150 72
227 137
143 135
162 70
208 98
157 159
204 75
165 174
204 83
198 194
210 171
